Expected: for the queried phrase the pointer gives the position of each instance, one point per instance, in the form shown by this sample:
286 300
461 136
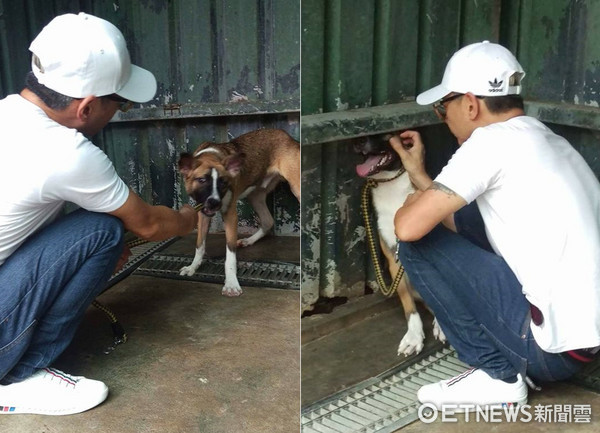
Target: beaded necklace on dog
364 205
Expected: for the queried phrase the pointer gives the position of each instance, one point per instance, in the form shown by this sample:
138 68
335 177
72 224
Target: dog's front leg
203 226
412 342
232 286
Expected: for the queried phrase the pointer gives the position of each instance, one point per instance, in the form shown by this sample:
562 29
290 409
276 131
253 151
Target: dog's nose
359 145
213 203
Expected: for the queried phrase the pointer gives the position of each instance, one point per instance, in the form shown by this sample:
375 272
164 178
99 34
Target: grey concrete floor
358 340
195 361
355 342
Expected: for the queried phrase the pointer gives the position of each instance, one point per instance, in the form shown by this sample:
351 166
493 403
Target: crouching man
52 267
513 272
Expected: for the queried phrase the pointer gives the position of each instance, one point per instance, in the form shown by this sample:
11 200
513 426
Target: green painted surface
479 21
312 52
328 127
394 51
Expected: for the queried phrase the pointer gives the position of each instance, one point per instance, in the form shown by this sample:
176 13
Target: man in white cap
51 266
513 272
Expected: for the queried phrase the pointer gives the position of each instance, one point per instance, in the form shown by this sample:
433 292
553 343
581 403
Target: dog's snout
359 145
363 145
213 202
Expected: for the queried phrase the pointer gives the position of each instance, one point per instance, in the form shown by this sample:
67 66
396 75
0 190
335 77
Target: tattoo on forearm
438 186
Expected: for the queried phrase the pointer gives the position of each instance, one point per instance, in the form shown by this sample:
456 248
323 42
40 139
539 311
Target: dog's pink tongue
364 169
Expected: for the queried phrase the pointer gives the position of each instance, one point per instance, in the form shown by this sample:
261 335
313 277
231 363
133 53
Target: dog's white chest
387 198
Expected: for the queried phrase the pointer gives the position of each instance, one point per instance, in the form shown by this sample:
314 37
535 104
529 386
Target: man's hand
409 147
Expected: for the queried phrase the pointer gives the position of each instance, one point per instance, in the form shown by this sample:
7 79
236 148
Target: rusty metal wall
224 67
382 53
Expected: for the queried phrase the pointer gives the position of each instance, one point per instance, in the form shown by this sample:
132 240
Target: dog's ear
185 163
233 163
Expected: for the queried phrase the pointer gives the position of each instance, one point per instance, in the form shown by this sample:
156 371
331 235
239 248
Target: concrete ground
359 339
195 361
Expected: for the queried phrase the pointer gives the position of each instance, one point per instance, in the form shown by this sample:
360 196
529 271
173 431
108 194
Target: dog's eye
221 182
201 179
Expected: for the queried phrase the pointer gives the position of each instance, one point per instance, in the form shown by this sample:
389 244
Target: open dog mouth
374 164
208 212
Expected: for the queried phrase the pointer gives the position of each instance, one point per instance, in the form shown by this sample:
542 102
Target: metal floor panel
139 254
282 275
382 404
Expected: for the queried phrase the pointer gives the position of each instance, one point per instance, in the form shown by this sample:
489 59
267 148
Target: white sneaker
474 388
51 392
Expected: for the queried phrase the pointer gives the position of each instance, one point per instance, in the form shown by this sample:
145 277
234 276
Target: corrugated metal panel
367 59
375 52
224 67
560 52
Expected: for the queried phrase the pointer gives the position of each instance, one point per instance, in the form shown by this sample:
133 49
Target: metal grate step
280 275
382 404
139 253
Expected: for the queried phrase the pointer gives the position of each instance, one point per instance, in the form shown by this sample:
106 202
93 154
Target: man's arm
424 210
411 150
155 223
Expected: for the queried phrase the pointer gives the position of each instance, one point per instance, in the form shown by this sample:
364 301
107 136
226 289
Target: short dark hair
52 99
502 104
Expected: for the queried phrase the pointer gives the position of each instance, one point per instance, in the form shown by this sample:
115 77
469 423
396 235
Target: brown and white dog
382 162
217 175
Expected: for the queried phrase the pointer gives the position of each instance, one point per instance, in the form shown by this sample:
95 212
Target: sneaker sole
470 407
15 410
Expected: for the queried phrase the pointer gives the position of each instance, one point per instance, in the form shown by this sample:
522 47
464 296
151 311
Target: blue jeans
46 286
478 301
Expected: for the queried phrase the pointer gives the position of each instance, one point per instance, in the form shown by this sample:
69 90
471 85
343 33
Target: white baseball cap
483 68
83 55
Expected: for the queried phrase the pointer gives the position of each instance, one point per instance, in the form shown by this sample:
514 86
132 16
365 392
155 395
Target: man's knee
422 248
405 251
110 226
115 227
114 224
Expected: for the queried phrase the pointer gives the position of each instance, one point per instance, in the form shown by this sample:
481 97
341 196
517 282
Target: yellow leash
364 205
120 336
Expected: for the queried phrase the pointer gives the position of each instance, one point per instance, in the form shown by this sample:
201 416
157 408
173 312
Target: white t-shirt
43 165
540 202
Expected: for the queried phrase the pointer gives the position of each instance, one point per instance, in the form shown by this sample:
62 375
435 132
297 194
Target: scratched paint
341 106
343 209
311 242
332 278
358 237
287 223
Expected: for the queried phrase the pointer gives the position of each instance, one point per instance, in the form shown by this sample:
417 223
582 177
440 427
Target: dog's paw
437 331
241 243
251 240
231 290
187 271
412 342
